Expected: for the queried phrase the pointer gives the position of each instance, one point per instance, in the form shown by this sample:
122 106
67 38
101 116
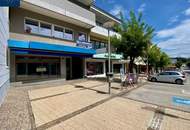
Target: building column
85 68
12 68
63 67
104 67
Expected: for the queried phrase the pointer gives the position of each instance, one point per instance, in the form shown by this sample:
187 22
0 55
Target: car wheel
153 79
179 81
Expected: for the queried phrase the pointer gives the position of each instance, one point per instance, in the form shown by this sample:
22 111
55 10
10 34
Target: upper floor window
45 29
82 36
58 32
68 34
31 26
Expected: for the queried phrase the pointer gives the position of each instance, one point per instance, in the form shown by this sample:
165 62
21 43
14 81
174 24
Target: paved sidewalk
84 105
14 112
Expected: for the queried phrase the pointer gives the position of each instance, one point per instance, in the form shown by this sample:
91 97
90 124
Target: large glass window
45 29
82 36
31 26
94 68
34 67
117 67
21 69
58 32
68 34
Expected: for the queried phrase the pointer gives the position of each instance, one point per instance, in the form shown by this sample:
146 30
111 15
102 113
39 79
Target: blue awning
48 47
46 53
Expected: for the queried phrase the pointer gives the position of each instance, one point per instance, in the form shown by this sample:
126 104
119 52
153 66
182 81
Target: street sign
84 44
180 100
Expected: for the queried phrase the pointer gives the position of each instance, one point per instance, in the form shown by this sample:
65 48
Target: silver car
168 76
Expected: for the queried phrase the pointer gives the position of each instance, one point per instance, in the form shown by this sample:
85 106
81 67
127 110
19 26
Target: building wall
4 34
17 16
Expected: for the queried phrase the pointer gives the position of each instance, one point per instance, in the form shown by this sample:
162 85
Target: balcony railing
103 31
90 45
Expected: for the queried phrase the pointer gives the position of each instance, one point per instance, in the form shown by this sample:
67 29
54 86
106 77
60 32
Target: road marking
180 100
185 92
157 119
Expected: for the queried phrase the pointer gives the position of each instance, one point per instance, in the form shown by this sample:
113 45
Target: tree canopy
157 58
135 37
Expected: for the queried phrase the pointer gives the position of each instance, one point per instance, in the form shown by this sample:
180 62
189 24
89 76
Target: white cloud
117 9
176 41
173 19
142 7
187 12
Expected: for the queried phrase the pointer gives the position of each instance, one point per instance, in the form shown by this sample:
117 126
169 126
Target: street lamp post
108 25
109 62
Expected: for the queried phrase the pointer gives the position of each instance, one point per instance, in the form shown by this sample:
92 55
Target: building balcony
63 10
100 31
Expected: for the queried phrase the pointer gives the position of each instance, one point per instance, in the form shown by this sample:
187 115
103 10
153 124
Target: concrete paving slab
48 109
50 91
116 114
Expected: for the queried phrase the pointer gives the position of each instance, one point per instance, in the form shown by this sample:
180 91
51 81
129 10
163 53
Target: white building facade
4 36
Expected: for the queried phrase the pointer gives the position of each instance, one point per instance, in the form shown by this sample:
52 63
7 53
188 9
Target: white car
168 76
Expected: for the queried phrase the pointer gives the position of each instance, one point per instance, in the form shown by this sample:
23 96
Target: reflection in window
31 26
45 29
21 69
68 34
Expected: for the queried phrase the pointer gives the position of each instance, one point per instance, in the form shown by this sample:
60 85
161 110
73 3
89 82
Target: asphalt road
162 94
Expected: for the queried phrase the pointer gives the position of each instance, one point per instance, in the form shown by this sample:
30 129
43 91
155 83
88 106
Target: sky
170 19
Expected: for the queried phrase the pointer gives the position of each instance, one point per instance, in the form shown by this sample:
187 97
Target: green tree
179 63
135 37
188 64
153 56
164 60
156 58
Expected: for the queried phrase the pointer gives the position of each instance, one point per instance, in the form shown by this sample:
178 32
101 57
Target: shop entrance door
77 68
68 69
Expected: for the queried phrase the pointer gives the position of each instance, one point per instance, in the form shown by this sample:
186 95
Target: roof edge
106 13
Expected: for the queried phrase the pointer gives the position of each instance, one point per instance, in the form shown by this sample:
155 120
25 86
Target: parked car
186 71
168 76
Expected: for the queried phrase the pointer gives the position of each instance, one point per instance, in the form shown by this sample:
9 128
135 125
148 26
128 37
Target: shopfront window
21 69
117 67
37 67
94 68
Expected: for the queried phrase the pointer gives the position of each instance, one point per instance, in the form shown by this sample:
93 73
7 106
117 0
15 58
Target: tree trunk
131 63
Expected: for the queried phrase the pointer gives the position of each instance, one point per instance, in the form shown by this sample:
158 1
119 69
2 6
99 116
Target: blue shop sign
180 100
9 3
